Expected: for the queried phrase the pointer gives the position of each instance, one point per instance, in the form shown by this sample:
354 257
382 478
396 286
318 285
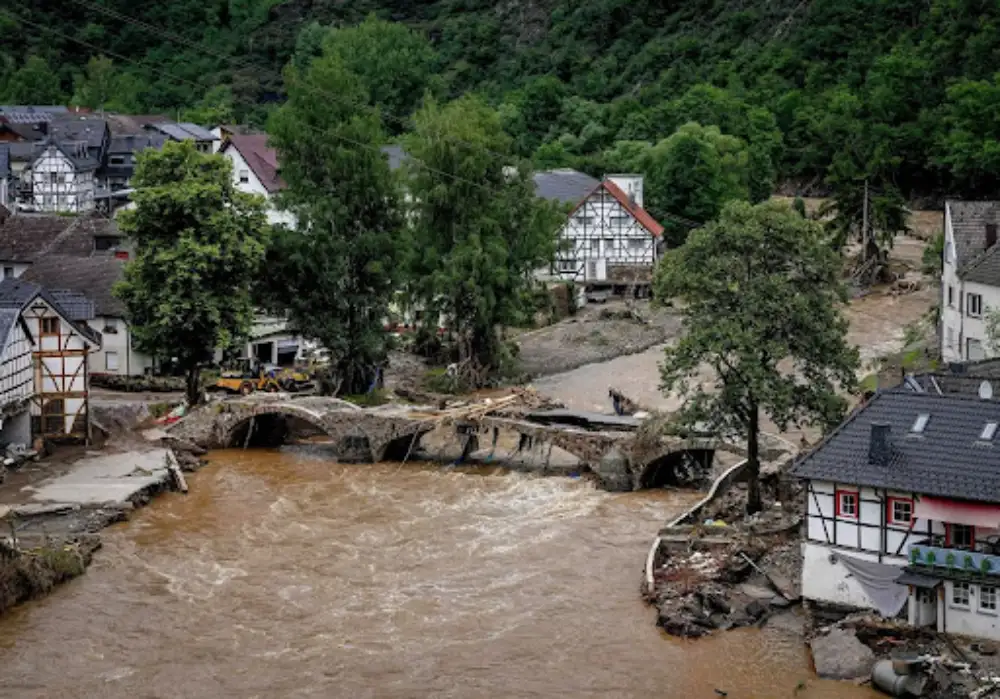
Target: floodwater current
284 574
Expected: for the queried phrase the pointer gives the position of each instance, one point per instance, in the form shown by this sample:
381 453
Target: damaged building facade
903 512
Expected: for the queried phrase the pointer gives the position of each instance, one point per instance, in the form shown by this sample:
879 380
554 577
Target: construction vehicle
249 376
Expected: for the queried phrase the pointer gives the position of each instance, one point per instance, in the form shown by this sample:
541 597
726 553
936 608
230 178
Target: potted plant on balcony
985 566
949 559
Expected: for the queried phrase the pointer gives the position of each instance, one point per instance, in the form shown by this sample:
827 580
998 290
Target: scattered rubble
839 655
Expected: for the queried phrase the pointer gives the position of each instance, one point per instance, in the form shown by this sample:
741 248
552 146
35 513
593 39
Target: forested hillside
904 93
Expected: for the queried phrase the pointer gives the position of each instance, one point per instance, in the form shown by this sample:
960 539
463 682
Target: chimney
991 235
880 446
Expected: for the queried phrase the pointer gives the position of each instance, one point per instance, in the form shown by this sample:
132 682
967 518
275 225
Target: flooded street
283 574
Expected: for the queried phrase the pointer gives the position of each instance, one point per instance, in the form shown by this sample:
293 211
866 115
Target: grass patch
368 400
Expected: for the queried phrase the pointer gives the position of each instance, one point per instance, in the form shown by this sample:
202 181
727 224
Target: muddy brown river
283 574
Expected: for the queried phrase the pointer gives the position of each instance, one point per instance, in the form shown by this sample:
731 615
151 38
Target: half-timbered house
59 395
903 511
609 241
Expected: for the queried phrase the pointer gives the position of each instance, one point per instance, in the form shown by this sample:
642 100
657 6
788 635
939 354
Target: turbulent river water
284 574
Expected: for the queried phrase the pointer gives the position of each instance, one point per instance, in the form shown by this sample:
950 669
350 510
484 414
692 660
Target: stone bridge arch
267 423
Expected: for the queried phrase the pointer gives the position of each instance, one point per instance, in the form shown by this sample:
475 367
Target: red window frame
889 513
948 537
838 500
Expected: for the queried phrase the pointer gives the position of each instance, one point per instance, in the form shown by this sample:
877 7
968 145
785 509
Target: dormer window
103 243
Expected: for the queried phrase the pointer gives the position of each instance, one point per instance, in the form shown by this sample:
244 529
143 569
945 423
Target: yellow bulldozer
249 376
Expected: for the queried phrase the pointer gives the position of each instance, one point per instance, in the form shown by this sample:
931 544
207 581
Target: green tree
199 244
396 65
692 174
215 108
479 231
336 272
761 291
96 86
34 83
969 143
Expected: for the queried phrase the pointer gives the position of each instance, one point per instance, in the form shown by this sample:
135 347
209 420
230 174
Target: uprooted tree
199 243
334 275
479 231
762 293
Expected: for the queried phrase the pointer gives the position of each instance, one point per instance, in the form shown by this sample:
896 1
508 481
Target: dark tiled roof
132 124
564 185
18 294
968 225
24 152
8 317
91 277
985 269
946 460
133 143
43 108
76 305
29 237
89 129
197 132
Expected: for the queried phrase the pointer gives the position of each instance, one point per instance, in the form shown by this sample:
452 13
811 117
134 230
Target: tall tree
479 231
335 274
692 174
762 293
34 83
199 245
96 86
395 64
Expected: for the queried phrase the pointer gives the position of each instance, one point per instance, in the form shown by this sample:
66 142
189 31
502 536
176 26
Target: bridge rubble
621 451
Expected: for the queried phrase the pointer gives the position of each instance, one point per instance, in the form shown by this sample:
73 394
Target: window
974 305
989 430
960 536
900 511
920 423
847 504
566 265
111 361
595 247
591 270
244 176
53 178
636 243
960 594
951 296
987 598
8 272
620 220
116 160
609 246
950 336
585 220
974 349
50 326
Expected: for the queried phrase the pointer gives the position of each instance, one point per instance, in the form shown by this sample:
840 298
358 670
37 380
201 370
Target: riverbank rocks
839 655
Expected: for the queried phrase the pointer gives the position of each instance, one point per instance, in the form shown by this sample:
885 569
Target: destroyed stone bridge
610 446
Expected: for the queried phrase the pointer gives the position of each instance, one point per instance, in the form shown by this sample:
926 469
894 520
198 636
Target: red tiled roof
260 157
640 214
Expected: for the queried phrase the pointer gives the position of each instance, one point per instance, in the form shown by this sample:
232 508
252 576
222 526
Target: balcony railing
972 562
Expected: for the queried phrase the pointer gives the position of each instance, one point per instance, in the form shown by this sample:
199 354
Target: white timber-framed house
903 511
59 399
970 279
609 241
62 179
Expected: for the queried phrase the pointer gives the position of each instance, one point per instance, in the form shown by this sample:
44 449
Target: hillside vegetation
822 94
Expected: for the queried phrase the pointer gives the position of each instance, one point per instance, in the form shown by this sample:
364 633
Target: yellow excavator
246 377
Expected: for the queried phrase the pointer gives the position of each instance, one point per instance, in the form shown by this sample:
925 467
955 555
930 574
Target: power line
406 122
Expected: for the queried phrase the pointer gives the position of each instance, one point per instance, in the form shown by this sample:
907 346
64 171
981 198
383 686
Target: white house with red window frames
903 512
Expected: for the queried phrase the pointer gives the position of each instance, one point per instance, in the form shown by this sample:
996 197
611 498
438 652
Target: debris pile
719 577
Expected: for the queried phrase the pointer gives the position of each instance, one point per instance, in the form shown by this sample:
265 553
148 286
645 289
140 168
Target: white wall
600 234
828 581
825 526
957 325
242 171
117 354
968 621
70 191
18 268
